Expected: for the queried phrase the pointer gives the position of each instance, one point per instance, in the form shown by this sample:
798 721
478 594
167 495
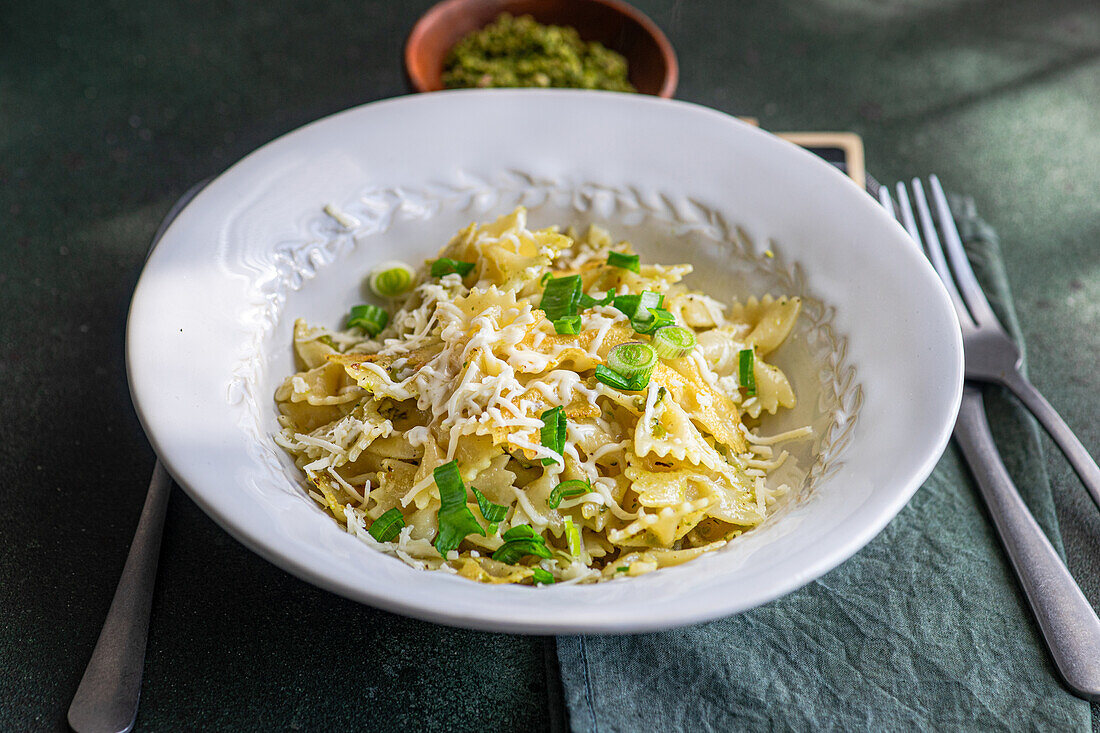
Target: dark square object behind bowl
649 55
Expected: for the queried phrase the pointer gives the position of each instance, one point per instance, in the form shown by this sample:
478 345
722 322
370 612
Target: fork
1067 621
991 354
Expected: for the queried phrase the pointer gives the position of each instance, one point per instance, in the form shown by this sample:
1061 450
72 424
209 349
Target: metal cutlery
1067 620
106 701
991 354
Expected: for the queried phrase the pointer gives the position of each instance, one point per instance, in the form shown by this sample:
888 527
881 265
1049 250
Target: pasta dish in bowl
541 407
532 403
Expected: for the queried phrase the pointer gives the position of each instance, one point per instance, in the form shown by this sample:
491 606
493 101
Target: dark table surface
111 110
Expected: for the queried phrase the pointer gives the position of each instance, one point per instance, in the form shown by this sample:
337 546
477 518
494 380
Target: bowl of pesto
579 44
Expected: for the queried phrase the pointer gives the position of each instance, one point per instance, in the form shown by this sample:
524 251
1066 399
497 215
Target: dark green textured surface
110 111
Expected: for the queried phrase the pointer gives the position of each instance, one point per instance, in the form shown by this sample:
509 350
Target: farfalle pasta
538 406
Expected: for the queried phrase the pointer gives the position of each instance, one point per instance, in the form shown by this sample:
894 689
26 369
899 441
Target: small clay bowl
649 55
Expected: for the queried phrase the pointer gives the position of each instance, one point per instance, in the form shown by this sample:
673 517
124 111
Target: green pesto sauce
519 52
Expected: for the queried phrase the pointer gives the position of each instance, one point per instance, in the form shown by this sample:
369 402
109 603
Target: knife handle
107 699
1067 620
1078 457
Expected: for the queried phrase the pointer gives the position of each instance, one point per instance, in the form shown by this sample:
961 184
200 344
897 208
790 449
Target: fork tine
935 253
886 201
907 219
964 274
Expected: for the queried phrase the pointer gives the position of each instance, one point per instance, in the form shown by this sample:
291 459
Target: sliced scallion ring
391 279
370 318
633 359
672 342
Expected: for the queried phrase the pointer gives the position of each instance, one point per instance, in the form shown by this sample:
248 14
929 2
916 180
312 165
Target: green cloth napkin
924 629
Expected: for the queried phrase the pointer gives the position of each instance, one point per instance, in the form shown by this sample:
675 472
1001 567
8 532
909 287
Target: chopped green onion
644 310
521 532
633 359
542 577
568 325
552 434
511 552
746 372
627 262
573 537
455 518
519 542
567 490
651 299
391 279
653 319
547 277
631 303
628 304
643 321
561 296
449 482
587 301
672 342
387 526
493 513
622 569
613 379
370 318
445 266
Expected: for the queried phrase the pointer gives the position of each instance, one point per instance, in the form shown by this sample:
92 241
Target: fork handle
107 699
1068 623
1083 463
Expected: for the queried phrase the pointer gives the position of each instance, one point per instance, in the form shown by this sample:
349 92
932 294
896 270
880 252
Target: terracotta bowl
652 62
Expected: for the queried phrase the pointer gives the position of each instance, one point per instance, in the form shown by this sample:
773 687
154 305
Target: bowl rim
415 41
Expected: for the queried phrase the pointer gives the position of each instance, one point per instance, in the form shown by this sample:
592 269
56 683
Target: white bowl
876 359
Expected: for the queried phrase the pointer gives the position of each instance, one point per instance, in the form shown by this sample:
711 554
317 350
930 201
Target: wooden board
842 149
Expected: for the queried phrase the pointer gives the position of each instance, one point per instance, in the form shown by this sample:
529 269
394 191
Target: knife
106 701
1066 619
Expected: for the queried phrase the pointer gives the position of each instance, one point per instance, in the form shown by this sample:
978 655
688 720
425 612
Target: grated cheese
464 372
